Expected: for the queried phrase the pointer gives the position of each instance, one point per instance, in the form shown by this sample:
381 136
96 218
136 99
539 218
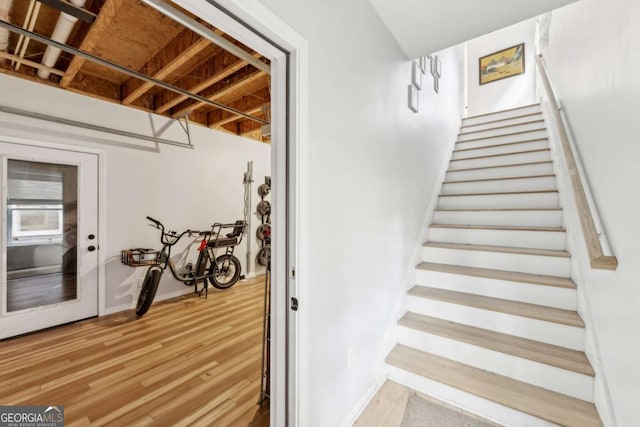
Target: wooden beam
168 69
238 85
99 28
32 64
215 78
233 118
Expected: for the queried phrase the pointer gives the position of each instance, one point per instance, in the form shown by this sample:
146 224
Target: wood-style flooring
35 291
189 361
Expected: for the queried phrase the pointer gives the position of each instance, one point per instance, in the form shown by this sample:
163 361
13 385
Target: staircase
492 325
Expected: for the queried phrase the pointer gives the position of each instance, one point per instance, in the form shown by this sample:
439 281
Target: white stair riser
551 218
506 122
506 139
507 159
550 296
500 201
545 168
526 127
539 374
487 409
534 329
501 149
500 115
511 238
534 264
501 186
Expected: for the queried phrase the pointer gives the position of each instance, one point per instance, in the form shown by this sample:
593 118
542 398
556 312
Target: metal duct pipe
5 7
60 34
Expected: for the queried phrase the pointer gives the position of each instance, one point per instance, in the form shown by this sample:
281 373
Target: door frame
36 142
252 23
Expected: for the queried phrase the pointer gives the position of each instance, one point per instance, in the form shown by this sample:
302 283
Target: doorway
49 237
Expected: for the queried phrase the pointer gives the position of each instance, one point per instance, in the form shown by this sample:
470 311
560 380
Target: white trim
261 19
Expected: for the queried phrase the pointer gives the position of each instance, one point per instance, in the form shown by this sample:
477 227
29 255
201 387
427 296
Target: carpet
421 412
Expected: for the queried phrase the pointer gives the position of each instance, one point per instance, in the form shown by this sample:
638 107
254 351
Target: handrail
597 257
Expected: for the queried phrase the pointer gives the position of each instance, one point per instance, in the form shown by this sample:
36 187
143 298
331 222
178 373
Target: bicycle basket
140 257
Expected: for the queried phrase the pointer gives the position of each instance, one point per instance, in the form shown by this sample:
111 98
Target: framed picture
436 85
413 98
438 67
416 75
423 64
502 64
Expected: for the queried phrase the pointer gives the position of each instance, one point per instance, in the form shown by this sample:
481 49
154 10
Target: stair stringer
581 271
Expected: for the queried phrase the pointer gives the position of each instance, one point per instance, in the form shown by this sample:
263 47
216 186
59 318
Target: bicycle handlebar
156 222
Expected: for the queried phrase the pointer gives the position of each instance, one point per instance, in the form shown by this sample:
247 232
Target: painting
502 64
413 98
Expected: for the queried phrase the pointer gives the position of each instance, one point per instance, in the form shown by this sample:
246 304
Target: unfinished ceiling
137 37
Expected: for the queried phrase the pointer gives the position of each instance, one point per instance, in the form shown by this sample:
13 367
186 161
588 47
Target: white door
49 237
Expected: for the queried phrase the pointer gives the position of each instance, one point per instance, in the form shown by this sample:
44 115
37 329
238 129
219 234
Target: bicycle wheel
148 291
226 271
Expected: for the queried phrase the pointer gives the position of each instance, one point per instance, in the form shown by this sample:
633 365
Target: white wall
373 166
507 93
594 63
183 188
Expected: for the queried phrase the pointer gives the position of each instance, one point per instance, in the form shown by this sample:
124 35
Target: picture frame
502 64
413 98
423 64
416 75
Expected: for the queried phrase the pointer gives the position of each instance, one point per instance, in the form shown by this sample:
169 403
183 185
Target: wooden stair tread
487 273
495 209
498 193
510 178
501 145
539 113
516 308
500 136
503 127
560 357
500 166
500 227
535 104
548 405
502 249
502 154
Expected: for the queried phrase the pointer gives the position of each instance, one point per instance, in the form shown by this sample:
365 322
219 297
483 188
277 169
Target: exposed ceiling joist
222 74
205 32
233 87
37 65
233 118
168 69
98 29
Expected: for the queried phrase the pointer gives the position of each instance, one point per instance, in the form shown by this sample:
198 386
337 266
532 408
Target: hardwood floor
44 289
189 361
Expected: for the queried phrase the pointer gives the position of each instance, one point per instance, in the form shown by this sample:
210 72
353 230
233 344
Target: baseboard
163 297
362 403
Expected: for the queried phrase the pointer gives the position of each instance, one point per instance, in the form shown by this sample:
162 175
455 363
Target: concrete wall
373 168
183 188
593 59
507 93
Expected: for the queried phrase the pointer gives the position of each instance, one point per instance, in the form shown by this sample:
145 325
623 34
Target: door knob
91 248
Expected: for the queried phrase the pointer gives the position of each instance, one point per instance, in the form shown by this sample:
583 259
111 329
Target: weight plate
263 231
264 208
263 256
264 190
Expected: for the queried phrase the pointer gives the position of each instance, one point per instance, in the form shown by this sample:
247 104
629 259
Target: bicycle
221 271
